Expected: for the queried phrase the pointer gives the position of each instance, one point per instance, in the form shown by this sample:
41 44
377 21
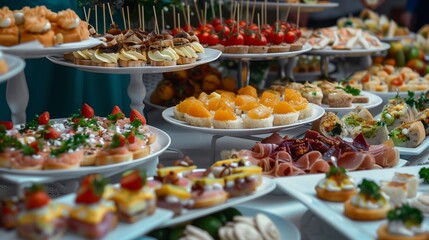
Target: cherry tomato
223 30
235 39
188 28
213 39
277 37
290 37
203 37
216 22
176 31
249 37
260 40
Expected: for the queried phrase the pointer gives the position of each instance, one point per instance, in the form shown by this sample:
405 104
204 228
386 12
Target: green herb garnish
349 89
116 141
336 171
370 189
73 143
410 99
31 125
424 174
313 93
410 216
352 121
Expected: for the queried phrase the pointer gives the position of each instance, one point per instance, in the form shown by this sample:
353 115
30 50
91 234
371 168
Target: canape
337 186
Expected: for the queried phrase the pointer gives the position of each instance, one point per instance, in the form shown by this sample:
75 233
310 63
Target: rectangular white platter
266 187
302 189
123 231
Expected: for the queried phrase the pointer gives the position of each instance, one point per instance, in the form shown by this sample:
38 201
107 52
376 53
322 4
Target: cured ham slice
356 161
261 150
386 155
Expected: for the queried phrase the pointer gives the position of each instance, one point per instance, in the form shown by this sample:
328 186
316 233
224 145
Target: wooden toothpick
253 11
162 20
198 12
84 14
140 16
128 14
213 9
174 17
123 18
297 20
104 18
96 19
110 13
220 12
143 19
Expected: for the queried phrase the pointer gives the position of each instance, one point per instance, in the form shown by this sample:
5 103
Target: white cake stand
329 52
243 61
136 87
17 90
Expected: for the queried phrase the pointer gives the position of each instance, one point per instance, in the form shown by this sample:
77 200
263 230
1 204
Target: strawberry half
44 118
36 197
7 124
87 111
51 133
91 189
118 112
133 180
131 138
136 115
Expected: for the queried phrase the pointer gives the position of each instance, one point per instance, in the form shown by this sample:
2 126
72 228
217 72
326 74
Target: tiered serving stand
17 95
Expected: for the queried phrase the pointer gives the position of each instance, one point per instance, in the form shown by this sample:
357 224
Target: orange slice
216 103
270 98
249 106
184 105
197 109
291 94
248 90
243 99
230 96
260 112
204 98
224 114
283 108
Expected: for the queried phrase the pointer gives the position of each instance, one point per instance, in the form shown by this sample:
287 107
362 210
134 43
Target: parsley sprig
73 143
370 189
410 216
349 89
424 174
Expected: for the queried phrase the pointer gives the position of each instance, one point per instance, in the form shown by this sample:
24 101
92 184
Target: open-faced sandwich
337 186
41 218
208 192
404 223
133 200
10 209
174 198
368 204
93 216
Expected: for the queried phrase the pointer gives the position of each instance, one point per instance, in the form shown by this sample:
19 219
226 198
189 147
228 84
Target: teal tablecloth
62 90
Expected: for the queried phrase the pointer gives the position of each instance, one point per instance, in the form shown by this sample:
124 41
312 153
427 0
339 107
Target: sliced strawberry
35 146
44 118
86 195
36 197
7 124
87 111
91 189
133 180
137 115
117 111
51 133
37 200
132 137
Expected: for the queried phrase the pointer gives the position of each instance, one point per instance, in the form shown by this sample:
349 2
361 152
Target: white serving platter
162 142
387 95
15 65
302 189
373 102
266 56
210 55
168 115
36 50
328 51
398 38
266 187
123 231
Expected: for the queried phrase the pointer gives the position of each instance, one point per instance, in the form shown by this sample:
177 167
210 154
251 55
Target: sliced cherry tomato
87 111
37 199
44 118
7 124
132 180
51 133
132 137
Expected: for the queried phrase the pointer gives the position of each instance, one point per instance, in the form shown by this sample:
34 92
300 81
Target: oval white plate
328 51
29 51
266 56
385 96
210 55
159 146
373 102
168 115
15 65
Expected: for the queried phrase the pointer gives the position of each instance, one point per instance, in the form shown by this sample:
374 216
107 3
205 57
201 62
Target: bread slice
285 119
339 99
106 159
228 124
409 134
360 99
258 123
